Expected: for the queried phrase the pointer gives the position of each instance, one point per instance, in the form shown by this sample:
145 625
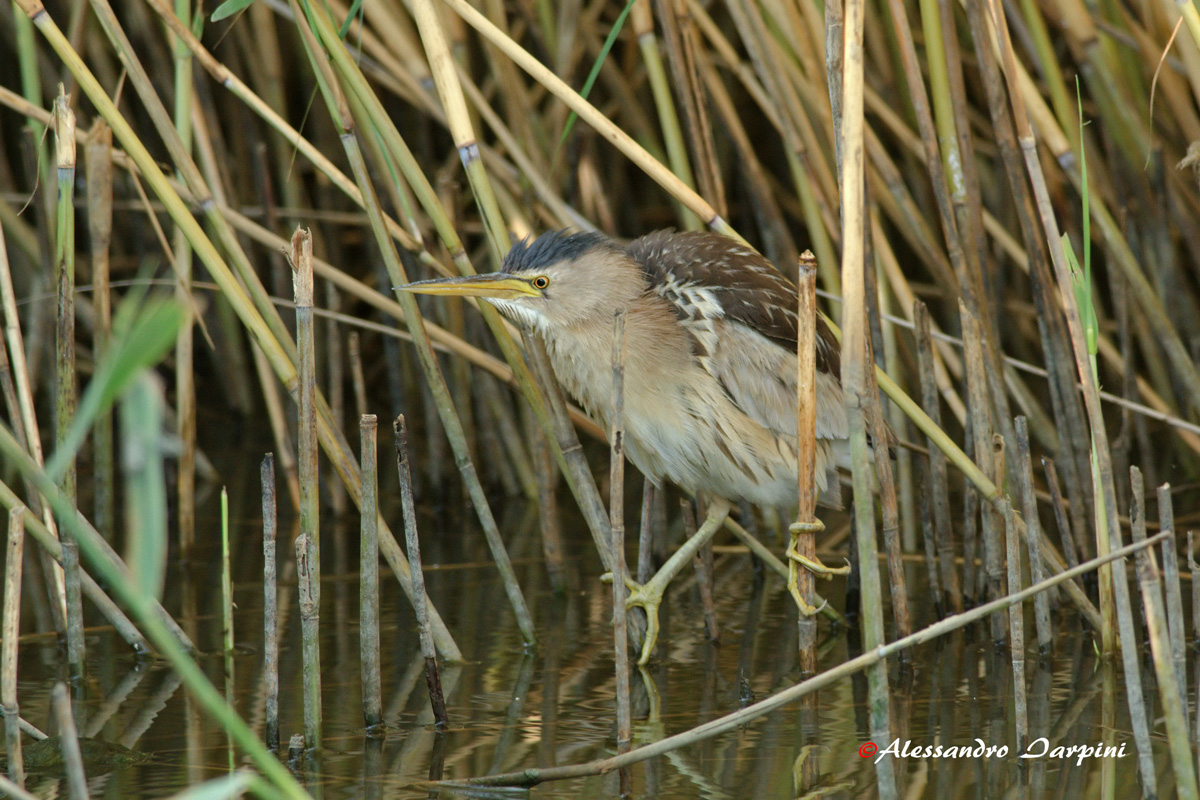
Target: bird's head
556 280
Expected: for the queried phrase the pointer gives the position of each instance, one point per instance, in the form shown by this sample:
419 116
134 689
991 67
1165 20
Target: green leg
649 595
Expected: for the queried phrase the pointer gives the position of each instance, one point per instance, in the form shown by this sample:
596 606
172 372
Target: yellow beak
498 285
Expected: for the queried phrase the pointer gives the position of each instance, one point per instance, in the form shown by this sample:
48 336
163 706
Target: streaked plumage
710 380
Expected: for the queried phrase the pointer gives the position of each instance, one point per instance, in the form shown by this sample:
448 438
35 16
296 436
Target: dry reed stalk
1016 628
940 495
1174 598
368 580
11 631
69 738
897 583
270 601
98 162
804 533
1169 681
227 614
310 619
616 521
433 680
64 373
1033 529
854 365
1065 535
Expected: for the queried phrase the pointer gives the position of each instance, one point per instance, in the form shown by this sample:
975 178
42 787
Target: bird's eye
540 282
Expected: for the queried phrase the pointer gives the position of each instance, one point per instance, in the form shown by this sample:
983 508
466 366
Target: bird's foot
813 564
648 597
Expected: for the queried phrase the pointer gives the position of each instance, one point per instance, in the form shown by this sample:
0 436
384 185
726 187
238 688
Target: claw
648 598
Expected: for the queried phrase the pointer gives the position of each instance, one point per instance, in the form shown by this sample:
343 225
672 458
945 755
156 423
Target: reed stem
310 632
68 737
368 575
270 600
433 678
11 631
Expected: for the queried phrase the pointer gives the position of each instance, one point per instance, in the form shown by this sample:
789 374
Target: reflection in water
511 709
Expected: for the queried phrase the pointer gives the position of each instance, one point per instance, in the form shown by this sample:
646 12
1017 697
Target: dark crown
552 247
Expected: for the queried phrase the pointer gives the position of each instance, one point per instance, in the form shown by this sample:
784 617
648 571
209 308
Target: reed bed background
1002 201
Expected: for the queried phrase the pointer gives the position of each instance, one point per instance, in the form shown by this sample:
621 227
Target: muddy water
511 709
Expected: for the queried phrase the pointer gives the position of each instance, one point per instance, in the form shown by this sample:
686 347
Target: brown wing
694 269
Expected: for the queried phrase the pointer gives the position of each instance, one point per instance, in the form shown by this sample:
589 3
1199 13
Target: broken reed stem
64 348
433 679
10 631
616 522
227 612
1160 646
938 489
737 719
1016 626
69 741
1041 603
310 618
1065 534
307 450
1174 598
368 574
270 600
804 533
308 547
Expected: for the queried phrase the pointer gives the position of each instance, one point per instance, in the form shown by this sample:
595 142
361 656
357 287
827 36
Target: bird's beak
496 285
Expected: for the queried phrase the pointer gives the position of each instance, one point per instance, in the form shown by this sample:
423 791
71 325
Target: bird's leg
813 565
649 595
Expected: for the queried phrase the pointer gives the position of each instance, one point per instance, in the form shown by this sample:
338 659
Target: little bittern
710 375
